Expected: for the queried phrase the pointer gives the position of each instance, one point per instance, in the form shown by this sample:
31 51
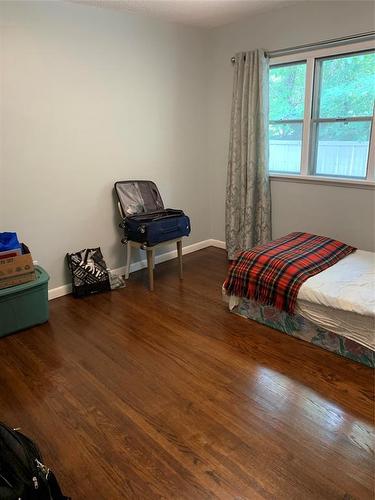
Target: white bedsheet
349 285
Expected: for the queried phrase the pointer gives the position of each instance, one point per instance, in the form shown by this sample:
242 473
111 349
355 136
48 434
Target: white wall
90 96
344 213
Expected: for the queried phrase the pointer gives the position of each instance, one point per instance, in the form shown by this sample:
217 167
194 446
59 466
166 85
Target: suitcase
145 219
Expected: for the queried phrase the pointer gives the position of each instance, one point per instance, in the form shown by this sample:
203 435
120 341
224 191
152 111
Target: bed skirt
300 327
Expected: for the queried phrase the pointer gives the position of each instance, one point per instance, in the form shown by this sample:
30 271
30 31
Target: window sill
328 181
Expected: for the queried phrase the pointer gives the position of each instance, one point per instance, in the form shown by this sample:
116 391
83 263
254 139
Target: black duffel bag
23 476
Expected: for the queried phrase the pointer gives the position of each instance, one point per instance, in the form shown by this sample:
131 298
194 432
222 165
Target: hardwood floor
165 394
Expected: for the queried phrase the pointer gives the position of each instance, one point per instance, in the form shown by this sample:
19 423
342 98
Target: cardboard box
17 280
17 270
10 253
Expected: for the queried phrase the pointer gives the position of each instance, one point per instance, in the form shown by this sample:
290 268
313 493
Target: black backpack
23 476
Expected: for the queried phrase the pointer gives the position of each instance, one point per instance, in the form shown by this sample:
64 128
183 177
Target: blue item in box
9 241
26 305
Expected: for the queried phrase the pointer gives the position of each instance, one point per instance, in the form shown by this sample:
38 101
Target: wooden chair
150 252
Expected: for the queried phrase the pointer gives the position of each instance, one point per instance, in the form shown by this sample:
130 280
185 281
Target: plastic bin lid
41 278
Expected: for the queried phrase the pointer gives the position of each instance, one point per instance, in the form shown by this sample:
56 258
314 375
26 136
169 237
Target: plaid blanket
273 273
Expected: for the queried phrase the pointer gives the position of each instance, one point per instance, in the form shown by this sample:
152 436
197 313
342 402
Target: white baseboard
54 293
217 244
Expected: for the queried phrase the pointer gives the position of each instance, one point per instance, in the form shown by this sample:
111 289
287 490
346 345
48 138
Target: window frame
312 59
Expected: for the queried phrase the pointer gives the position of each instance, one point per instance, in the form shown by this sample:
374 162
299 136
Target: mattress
357 327
349 285
340 299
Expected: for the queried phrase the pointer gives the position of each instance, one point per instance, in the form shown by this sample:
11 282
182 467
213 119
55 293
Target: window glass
285 141
342 149
287 91
347 86
287 103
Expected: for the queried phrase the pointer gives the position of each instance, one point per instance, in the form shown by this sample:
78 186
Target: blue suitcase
145 219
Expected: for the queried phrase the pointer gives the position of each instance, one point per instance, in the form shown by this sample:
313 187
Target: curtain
248 197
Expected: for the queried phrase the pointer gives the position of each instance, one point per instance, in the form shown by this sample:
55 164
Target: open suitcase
145 219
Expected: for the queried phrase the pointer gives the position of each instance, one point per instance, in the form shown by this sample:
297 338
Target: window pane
287 91
285 141
343 149
347 86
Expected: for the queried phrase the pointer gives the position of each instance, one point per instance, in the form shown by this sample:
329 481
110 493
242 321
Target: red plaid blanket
273 273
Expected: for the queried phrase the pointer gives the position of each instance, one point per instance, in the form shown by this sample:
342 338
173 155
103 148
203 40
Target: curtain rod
369 35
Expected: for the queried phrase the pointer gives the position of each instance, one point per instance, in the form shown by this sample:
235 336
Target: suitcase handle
169 229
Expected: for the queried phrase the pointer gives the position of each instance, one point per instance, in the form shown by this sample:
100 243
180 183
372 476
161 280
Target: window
287 103
321 114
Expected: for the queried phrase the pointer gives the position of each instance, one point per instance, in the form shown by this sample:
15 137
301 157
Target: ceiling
200 13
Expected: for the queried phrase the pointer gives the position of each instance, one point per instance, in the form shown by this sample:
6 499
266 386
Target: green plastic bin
23 306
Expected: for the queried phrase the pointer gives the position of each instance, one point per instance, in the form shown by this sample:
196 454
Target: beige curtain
248 198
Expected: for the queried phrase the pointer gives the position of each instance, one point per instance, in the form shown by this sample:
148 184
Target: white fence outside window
342 158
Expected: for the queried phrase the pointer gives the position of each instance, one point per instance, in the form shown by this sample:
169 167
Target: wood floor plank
165 394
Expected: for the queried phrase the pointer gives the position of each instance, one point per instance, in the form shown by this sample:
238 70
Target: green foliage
344 131
287 91
347 89
347 86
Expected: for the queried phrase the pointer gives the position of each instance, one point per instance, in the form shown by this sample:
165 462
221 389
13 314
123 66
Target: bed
335 309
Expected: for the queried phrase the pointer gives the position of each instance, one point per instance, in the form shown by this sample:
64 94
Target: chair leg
153 259
179 253
128 257
150 259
